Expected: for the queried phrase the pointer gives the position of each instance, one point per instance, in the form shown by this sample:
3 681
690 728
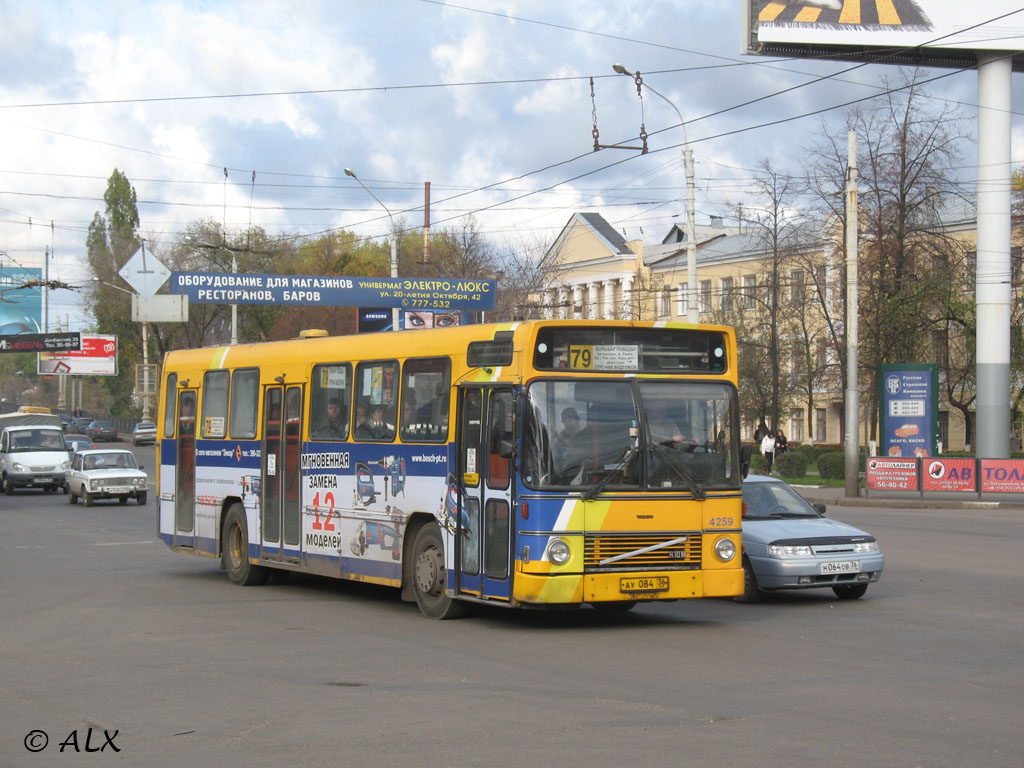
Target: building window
683 299
725 286
796 286
796 426
705 296
944 429
665 303
820 354
820 282
749 291
820 425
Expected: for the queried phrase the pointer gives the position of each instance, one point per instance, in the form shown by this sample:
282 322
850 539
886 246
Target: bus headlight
558 552
725 549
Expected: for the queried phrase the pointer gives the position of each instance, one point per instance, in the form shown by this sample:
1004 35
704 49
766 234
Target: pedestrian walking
768 449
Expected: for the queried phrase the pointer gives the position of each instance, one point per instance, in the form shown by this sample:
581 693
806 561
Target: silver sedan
788 544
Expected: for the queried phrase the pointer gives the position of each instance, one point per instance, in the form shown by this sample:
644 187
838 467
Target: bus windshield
648 434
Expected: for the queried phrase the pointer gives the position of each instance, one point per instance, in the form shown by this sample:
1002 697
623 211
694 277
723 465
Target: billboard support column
992 279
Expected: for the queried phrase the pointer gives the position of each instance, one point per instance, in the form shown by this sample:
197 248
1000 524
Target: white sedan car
105 474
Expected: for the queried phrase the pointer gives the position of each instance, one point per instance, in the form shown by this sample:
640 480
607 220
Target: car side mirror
505 449
142 466
821 508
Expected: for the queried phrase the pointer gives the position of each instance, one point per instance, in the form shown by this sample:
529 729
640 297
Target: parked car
78 442
79 424
144 433
101 430
788 544
105 474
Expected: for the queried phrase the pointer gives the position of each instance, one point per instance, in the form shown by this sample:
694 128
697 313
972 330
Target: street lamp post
394 241
692 314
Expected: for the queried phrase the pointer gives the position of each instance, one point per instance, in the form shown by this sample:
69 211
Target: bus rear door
185 471
485 441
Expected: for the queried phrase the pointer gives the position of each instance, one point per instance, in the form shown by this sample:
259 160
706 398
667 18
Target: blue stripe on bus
347 565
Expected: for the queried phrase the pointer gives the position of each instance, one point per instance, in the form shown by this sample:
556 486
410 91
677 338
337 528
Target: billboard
908 395
21 307
97 357
332 291
929 32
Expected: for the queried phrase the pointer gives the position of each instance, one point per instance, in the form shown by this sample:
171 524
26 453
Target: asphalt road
105 628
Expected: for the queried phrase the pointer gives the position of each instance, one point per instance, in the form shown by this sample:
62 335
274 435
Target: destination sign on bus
335 291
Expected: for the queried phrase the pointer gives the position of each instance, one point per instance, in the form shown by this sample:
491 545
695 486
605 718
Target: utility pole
852 391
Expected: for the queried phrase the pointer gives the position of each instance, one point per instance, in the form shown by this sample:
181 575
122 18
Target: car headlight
777 550
866 546
725 549
63 467
17 467
139 482
558 551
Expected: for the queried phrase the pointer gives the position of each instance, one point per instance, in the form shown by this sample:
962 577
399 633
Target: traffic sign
144 273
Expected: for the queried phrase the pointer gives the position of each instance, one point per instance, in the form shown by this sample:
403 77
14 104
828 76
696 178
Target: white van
32 452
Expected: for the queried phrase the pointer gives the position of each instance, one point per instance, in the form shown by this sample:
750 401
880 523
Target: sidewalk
836 497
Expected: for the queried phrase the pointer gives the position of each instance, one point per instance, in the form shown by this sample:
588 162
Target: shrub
792 464
832 465
758 464
807 451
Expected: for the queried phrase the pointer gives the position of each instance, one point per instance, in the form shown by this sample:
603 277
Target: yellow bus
538 463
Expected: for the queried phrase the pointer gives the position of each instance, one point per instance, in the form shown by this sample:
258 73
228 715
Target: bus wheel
235 552
428 576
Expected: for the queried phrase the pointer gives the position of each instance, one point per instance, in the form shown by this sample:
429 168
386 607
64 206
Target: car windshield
111 460
654 434
765 501
145 426
37 440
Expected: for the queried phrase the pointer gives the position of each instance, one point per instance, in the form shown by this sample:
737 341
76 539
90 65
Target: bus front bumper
538 589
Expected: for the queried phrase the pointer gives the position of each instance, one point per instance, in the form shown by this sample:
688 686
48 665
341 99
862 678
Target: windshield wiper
591 493
681 471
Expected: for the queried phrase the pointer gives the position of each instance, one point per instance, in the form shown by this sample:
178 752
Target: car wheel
235 553
141 498
751 592
850 591
72 499
8 486
87 499
428 576
122 499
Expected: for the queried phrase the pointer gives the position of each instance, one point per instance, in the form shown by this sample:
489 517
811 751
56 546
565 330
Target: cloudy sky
489 100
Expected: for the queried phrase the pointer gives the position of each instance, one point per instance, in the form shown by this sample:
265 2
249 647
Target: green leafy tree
110 242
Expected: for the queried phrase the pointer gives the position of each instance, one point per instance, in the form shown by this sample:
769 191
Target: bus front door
185 471
281 474
483 529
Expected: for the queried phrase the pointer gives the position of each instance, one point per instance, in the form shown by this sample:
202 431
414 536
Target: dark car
101 430
79 424
75 442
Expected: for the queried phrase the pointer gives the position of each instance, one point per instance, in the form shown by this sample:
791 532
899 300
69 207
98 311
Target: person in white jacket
768 449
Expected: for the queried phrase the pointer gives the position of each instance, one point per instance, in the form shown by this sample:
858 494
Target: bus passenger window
426 384
328 402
